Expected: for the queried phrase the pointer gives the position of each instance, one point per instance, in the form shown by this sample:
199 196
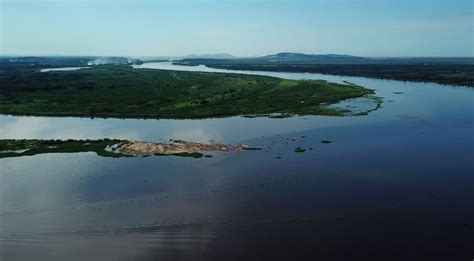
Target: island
124 92
115 148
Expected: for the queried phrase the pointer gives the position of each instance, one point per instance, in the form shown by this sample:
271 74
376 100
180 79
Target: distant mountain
293 57
147 59
224 56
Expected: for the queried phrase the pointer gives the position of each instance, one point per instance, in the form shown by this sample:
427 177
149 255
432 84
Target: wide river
397 184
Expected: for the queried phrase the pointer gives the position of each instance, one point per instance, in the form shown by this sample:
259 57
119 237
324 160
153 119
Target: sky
239 27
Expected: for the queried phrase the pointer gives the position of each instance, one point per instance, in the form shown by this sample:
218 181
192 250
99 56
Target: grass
123 92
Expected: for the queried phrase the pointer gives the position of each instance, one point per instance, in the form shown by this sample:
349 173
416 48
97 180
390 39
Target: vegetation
123 92
439 70
28 63
300 149
18 148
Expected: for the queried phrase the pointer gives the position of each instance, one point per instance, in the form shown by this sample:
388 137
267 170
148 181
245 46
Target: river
395 184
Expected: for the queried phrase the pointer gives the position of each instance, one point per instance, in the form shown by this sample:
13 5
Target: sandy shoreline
142 148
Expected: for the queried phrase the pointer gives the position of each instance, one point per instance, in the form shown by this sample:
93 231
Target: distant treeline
41 62
453 71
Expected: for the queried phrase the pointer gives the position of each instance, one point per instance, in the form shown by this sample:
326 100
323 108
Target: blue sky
239 27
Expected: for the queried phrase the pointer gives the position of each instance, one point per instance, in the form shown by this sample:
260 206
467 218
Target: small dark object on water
146 181
326 141
397 92
208 156
279 157
251 148
300 149
310 148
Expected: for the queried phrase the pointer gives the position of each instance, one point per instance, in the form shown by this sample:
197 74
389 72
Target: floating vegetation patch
300 149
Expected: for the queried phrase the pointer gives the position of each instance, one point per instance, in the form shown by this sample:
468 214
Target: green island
124 92
17 148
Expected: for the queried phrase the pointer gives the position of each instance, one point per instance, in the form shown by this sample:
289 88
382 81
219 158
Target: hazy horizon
184 56
384 28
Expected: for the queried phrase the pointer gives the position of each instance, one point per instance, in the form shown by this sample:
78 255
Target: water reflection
227 130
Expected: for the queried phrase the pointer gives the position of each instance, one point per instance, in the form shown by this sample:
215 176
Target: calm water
396 184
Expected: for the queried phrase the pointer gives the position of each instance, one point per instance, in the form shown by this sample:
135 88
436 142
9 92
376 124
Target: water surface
396 184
